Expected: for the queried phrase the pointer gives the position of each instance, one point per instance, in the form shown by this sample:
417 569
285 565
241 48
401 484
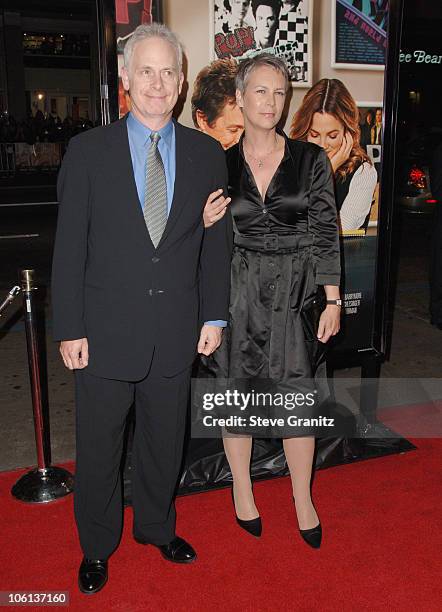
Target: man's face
378 117
227 128
154 81
266 25
239 9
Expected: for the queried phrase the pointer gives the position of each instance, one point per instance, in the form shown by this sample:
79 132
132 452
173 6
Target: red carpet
381 547
414 420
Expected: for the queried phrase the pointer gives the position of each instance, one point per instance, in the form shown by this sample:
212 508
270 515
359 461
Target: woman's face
263 100
326 131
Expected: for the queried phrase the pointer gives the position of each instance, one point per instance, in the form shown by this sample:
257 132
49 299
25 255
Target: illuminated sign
419 56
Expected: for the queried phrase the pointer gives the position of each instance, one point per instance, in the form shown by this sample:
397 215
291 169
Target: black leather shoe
178 551
312 536
92 575
252 526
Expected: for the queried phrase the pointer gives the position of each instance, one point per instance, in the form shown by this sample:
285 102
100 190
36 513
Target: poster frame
384 277
344 65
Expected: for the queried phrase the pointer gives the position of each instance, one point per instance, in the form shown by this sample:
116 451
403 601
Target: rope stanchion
45 483
9 298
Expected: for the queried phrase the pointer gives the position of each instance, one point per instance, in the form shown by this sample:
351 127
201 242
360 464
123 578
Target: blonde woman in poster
286 256
329 117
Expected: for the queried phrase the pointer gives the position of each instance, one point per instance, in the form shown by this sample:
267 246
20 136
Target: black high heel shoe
312 536
253 526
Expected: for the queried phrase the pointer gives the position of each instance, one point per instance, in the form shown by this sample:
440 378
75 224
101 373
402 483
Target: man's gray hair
246 67
153 30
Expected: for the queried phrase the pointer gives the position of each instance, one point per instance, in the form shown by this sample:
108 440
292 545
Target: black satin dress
285 248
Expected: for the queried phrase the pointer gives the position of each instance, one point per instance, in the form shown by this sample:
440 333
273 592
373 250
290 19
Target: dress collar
278 131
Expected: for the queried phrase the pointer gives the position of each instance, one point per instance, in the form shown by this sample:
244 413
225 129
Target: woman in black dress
286 249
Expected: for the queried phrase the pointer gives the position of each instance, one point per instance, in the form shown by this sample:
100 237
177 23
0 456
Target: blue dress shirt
139 143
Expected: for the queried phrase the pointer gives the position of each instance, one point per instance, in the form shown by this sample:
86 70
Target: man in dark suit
134 277
366 129
376 130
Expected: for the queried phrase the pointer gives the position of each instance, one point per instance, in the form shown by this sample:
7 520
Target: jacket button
271 286
155 259
264 211
150 291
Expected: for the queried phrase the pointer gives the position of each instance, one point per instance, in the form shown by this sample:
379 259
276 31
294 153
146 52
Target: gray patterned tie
155 194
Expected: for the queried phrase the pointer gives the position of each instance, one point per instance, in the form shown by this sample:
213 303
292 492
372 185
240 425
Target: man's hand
75 353
210 339
215 208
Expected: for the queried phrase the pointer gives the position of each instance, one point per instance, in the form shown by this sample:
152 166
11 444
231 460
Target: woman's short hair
247 66
332 97
214 88
153 30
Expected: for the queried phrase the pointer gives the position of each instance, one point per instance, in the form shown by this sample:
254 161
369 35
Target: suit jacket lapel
120 141
183 165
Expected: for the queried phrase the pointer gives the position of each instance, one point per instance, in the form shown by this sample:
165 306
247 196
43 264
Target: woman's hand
329 322
343 153
215 208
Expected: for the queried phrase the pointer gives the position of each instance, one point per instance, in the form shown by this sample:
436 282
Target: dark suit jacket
373 135
365 135
109 283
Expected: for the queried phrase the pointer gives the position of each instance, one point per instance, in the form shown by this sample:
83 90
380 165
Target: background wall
190 20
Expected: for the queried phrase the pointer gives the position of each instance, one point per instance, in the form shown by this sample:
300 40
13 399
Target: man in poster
266 14
214 107
132 268
232 14
376 130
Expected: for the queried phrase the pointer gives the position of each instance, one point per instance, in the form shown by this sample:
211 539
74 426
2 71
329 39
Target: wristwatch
335 302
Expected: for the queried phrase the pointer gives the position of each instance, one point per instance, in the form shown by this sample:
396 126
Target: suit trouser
102 407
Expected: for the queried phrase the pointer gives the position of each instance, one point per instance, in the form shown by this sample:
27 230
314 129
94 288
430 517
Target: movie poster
359 33
350 130
238 29
242 28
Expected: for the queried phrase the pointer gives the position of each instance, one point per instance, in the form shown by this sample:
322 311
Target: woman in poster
329 117
286 254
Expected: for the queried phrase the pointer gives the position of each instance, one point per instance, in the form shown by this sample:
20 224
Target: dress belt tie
273 243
